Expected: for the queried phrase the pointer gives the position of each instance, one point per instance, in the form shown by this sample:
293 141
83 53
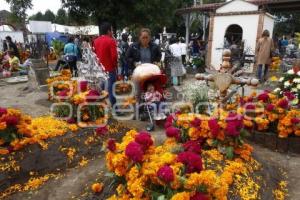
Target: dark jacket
133 53
12 47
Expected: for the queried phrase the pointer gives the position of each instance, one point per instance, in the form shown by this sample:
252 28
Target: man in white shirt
183 47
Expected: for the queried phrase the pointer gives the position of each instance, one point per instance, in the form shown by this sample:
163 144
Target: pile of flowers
276 62
72 95
199 160
18 130
290 81
269 112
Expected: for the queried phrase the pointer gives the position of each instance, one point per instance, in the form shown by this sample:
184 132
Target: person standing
9 45
143 51
176 63
71 53
106 51
124 47
183 51
264 50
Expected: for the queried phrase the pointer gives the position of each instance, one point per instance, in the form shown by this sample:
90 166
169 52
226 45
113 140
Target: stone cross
225 77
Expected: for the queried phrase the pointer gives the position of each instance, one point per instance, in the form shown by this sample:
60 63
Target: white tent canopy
44 27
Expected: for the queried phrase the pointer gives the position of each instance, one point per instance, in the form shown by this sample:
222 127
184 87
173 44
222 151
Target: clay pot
225 58
227 53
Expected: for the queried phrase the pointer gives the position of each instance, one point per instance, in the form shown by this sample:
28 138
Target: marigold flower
181 196
97 187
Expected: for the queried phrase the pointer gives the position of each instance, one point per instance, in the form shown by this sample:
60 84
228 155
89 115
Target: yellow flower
181 196
2 125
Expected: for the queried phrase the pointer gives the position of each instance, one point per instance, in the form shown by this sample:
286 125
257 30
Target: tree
37 17
61 17
18 8
49 16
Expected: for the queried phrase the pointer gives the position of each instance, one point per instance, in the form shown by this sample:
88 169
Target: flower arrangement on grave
18 130
290 81
269 112
183 167
76 97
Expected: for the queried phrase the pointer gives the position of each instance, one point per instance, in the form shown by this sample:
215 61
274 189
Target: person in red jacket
106 50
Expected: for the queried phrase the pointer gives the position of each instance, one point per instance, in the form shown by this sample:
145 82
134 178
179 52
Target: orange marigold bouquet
173 170
13 125
269 112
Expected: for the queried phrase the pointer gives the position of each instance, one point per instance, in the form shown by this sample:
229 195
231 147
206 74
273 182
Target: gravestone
38 73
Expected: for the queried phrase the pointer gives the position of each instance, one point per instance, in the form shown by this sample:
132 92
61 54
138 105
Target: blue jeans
125 69
260 75
112 78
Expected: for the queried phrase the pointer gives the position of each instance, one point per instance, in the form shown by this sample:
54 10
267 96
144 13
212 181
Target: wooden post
187 32
210 40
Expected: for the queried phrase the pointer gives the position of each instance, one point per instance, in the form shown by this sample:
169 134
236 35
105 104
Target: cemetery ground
70 164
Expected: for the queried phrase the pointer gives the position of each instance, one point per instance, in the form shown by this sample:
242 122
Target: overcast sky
38 5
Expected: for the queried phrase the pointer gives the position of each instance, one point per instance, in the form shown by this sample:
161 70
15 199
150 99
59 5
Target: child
152 96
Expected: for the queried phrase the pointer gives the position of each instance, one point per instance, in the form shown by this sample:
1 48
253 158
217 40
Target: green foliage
49 16
229 152
58 46
18 8
61 17
9 134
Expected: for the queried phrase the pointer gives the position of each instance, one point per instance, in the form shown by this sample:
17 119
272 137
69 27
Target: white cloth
175 50
183 48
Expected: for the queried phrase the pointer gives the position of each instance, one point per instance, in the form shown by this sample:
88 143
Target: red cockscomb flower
134 151
234 124
166 174
83 86
192 161
295 120
289 95
263 97
144 139
196 123
111 145
199 196
192 146
173 132
3 111
214 127
92 96
250 107
71 121
270 107
101 131
62 95
283 103
11 120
